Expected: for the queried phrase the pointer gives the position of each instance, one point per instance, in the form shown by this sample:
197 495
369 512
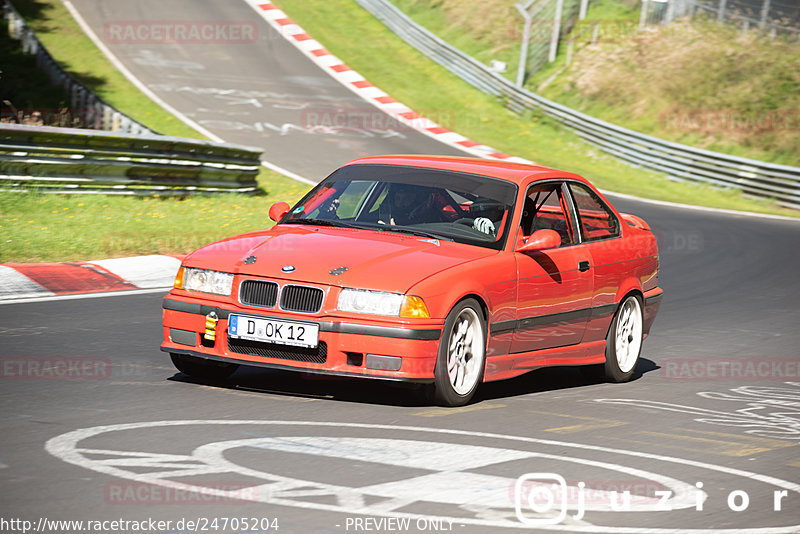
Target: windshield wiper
407 230
322 222
380 227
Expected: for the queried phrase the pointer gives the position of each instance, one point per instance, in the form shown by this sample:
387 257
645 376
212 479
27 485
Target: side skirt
510 365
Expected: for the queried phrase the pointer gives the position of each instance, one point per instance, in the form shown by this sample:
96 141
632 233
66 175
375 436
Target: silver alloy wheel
628 335
465 352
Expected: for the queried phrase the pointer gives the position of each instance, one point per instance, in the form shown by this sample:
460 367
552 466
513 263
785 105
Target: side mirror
278 210
541 240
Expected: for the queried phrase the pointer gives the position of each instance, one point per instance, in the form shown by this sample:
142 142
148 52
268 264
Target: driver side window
544 209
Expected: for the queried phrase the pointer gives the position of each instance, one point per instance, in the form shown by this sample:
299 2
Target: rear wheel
624 340
462 355
202 368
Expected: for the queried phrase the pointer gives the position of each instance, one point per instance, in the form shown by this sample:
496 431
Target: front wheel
462 355
202 368
624 340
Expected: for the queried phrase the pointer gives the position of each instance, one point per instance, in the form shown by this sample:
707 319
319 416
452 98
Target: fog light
183 337
383 363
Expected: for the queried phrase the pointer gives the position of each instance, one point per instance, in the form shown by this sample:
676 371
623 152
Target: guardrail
86 108
70 160
758 178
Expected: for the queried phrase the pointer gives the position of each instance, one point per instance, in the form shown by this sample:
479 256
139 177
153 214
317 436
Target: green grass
487 30
408 76
22 84
78 55
45 227
698 83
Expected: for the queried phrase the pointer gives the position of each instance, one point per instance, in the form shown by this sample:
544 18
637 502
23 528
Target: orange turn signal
414 308
178 284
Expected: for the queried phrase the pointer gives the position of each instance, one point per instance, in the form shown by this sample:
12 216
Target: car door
609 262
554 288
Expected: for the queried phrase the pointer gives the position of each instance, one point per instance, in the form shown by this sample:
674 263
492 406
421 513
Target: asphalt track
261 92
371 452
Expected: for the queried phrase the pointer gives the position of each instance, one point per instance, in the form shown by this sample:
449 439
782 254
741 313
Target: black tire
624 340
202 368
460 351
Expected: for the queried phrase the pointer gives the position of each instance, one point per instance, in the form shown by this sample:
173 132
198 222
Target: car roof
513 172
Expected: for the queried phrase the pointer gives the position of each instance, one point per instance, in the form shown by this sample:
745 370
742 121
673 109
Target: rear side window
597 221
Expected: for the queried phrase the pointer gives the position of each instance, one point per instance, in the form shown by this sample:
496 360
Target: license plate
273 331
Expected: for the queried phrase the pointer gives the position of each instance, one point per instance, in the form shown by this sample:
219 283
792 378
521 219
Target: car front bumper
363 349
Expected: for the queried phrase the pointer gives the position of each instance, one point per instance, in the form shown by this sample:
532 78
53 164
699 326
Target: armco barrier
86 107
758 178
69 160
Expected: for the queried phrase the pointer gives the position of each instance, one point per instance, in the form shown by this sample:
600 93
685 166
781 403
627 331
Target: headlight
373 302
381 303
207 281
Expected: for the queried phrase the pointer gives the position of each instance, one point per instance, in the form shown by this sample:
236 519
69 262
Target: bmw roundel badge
288 268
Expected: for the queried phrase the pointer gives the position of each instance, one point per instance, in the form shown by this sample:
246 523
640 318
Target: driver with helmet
406 204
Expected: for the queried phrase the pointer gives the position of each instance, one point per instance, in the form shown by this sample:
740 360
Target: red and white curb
37 280
362 87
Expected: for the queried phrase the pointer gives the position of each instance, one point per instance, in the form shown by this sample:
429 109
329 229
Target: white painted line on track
287 173
282 491
122 293
130 76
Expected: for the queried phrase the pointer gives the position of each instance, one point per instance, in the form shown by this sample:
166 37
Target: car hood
336 256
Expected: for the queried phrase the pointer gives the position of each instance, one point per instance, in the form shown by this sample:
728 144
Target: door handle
583 266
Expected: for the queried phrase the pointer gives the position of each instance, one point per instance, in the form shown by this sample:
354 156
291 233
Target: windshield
452 206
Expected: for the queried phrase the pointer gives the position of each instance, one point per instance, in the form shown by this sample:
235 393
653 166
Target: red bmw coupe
445 271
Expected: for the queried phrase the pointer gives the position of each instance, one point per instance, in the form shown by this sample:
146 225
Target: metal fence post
556 31
764 14
670 15
526 36
721 10
643 16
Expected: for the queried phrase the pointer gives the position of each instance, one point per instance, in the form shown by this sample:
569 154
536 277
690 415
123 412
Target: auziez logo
180 31
542 499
